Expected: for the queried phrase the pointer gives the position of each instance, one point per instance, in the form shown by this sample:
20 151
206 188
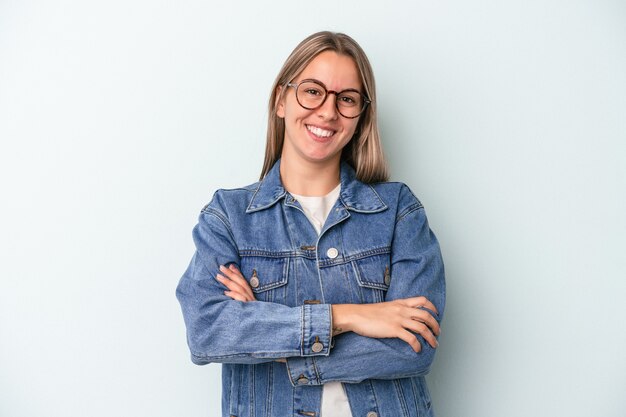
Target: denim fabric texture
376 246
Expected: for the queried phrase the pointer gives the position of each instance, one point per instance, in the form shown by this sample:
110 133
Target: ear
280 102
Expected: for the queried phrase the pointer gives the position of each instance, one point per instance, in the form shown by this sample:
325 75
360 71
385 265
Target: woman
320 288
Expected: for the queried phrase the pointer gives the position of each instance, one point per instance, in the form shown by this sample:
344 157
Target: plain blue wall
119 119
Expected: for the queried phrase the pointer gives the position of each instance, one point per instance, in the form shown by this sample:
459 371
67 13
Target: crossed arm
389 319
380 340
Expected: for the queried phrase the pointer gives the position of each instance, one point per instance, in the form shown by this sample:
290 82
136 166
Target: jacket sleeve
220 329
416 270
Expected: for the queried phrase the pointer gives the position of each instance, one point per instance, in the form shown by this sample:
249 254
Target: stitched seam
266 253
378 195
324 262
223 219
270 391
317 372
289 374
365 254
252 390
415 395
253 196
302 319
400 394
409 210
373 394
264 355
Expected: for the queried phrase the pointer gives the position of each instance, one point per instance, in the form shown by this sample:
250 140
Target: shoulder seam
410 209
221 217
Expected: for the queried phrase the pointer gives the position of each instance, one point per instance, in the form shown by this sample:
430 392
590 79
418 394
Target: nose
328 110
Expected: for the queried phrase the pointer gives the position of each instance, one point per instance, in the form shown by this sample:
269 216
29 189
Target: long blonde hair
364 152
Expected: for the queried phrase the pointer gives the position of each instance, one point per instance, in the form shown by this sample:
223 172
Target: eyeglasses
312 94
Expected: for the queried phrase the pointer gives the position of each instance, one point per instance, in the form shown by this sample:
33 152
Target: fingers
419 302
238 287
420 321
426 318
409 310
411 340
234 274
234 281
423 330
232 285
237 296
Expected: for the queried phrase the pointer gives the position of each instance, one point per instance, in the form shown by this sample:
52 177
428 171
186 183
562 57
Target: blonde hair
364 152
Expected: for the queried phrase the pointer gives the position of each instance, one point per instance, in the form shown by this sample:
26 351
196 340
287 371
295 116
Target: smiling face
318 136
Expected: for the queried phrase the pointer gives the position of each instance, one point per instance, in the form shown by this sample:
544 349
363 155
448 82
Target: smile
319 132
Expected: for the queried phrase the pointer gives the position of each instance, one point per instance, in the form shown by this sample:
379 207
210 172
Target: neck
309 179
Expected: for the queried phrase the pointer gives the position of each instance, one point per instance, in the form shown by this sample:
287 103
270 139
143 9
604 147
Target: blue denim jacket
376 246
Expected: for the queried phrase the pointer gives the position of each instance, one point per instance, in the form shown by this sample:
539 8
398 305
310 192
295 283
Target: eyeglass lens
312 95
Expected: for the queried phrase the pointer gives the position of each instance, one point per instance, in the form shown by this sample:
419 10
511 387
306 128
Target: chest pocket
267 277
373 276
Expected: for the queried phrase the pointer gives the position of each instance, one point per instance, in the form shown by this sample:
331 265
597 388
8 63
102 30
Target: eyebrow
324 85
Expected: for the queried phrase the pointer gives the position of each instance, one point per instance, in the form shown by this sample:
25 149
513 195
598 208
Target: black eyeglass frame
366 99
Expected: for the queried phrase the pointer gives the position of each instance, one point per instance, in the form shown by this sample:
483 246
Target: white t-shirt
334 399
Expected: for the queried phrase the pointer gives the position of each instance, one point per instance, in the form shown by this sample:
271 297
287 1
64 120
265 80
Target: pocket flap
264 274
373 272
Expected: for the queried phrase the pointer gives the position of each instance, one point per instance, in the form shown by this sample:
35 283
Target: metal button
332 253
372 414
317 347
302 380
387 276
254 281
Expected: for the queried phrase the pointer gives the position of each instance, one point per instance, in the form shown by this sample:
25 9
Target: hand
396 318
238 287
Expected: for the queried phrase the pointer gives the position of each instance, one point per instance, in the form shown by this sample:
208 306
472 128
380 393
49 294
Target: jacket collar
354 195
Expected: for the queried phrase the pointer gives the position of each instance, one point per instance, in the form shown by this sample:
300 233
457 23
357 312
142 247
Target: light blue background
119 119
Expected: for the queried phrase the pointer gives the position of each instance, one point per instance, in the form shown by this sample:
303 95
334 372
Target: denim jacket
375 246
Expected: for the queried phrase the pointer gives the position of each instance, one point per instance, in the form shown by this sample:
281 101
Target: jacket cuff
316 330
302 371
316 341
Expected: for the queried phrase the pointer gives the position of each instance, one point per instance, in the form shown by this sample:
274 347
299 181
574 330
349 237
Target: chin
318 157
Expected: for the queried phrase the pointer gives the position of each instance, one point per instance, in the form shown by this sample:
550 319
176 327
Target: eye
349 99
313 91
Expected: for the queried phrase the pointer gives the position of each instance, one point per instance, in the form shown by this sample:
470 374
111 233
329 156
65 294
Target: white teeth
322 133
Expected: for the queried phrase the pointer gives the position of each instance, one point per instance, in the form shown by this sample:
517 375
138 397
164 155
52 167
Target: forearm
220 329
355 358
340 319
397 318
378 343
